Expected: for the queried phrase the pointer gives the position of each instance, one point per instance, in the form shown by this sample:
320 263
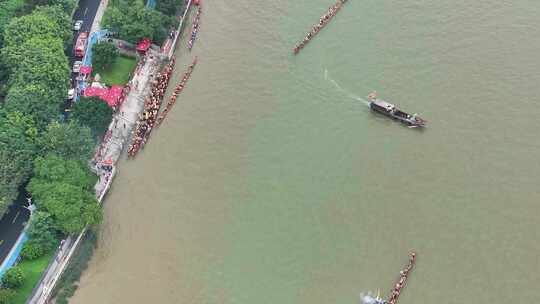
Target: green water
272 182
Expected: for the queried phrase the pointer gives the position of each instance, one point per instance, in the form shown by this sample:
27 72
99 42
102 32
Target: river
272 182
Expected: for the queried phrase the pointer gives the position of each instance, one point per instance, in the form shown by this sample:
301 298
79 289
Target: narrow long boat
195 28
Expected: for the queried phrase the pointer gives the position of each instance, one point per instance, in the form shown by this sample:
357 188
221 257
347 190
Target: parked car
77 66
77 25
71 94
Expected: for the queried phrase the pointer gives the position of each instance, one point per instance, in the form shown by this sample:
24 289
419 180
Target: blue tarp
151 3
16 251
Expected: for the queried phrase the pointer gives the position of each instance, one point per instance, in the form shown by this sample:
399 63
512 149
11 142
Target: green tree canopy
43 62
40 25
8 9
17 150
104 54
13 278
93 113
133 21
63 188
42 231
169 7
35 100
54 169
71 208
68 140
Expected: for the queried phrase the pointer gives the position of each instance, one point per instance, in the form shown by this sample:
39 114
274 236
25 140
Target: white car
77 66
71 94
77 25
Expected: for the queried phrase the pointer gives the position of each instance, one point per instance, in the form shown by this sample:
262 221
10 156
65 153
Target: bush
104 55
93 113
13 278
32 250
6 296
42 233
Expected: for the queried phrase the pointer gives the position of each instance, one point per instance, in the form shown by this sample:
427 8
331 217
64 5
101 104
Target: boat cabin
383 105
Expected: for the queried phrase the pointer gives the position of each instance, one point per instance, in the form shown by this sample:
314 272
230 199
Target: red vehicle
80 45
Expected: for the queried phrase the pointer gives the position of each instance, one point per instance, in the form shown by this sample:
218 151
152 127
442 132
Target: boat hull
398 115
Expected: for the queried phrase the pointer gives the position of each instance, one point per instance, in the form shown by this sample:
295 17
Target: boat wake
369 298
349 94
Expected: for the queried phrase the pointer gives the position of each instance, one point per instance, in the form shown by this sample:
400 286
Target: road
86 12
12 224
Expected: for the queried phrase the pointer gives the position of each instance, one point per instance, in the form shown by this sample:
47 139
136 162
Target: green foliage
69 140
67 6
93 113
6 296
13 278
104 54
49 27
71 207
60 17
35 100
17 150
43 62
53 169
169 7
63 188
32 251
8 10
32 270
133 21
42 236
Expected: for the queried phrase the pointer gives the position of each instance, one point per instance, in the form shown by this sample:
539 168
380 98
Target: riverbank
107 155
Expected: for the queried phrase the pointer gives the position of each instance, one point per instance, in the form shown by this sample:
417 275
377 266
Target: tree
71 207
169 7
6 296
54 169
59 11
68 140
43 62
17 150
35 100
67 6
104 54
93 113
133 21
13 278
41 231
8 9
63 188
46 24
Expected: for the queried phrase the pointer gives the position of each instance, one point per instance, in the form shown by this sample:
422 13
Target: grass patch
32 271
68 283
118 72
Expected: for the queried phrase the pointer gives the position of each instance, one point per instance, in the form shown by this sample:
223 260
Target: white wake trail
349 94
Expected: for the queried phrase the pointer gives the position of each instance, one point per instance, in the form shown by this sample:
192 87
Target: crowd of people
332 11
195 27
177 91
402 278
152 104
